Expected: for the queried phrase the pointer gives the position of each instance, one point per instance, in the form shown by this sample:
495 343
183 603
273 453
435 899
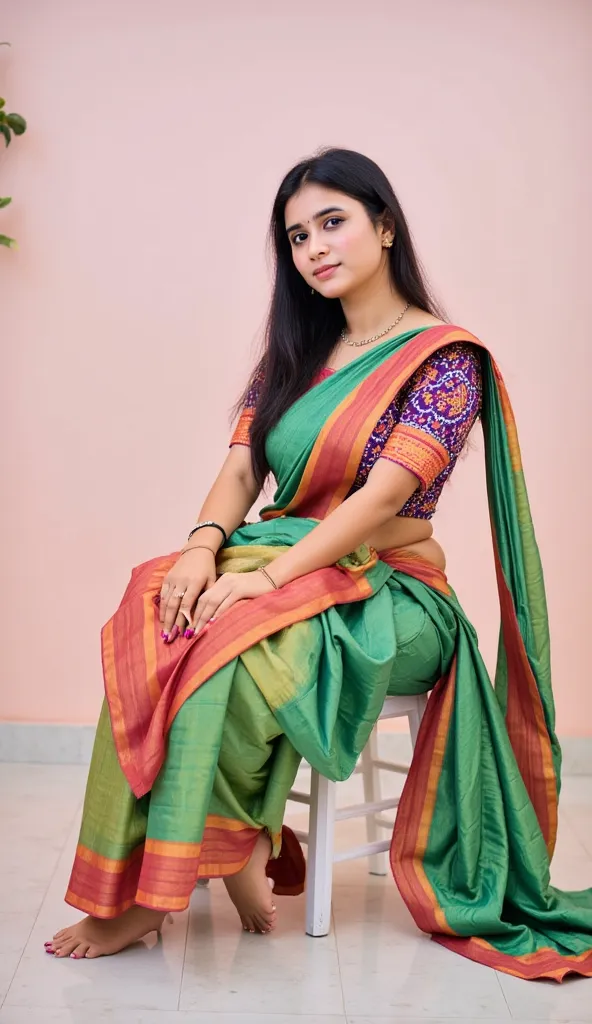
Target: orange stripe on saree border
416 809
542 963
108 865
525 720
106 913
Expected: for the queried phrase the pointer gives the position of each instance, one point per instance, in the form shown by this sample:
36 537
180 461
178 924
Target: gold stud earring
387 244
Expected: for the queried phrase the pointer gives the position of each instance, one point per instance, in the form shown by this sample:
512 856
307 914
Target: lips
326 271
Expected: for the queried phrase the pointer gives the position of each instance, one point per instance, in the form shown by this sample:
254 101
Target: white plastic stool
323 815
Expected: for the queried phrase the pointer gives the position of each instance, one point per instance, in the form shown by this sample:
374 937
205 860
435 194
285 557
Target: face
335 245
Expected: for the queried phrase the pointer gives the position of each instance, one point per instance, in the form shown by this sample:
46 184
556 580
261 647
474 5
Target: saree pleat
203 738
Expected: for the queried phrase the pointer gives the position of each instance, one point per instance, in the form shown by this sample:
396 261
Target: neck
372 308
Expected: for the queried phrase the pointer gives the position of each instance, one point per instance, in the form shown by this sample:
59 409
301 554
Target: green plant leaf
2 102
4 202
8 242
17 123
5 131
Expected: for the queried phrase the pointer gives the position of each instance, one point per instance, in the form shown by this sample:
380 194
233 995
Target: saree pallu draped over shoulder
477 820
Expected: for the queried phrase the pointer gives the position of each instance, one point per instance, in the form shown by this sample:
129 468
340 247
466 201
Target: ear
387 229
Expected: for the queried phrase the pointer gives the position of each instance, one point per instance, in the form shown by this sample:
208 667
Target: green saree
199 742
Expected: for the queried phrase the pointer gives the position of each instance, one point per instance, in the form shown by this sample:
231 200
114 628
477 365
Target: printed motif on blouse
424 429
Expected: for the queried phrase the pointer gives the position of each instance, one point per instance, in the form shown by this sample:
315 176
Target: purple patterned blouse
424 429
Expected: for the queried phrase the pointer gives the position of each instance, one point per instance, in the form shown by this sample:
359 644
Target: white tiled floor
374 967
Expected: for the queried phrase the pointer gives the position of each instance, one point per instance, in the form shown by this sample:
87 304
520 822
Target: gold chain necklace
368 341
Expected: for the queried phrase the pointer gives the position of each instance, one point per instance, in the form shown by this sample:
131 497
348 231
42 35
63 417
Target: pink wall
158 133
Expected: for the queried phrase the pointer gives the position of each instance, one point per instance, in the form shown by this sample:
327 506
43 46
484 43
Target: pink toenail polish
50 951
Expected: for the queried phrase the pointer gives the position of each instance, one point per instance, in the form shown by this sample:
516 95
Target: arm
232 495
383 495
439 408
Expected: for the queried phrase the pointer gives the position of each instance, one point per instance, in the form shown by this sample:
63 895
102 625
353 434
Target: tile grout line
189 910
334 923
497 978
42 900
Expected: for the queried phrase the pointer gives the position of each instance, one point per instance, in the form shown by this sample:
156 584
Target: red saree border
544 963
414 565
159 874
525 719
416 809
139 725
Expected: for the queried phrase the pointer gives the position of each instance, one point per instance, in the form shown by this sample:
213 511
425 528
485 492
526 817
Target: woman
260 644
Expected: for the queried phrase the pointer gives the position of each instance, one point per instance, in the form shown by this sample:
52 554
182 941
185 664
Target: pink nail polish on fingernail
164 636
189 634
175 633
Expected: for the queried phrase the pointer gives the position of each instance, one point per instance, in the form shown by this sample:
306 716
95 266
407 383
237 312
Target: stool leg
416 716
319 868
378 862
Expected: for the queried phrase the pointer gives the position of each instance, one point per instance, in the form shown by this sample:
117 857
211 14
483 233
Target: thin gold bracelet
267 577
197 547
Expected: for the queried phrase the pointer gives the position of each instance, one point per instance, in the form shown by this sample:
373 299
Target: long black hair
302 328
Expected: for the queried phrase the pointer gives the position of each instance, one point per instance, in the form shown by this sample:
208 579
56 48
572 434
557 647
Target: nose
317 246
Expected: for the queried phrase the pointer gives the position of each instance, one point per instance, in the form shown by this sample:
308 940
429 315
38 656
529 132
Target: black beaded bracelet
209 522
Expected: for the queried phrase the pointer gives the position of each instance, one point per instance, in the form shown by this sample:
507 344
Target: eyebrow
317 216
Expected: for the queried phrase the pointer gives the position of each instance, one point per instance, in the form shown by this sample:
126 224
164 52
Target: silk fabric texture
199 741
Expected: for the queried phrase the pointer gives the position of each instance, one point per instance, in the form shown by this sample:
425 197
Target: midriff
414 535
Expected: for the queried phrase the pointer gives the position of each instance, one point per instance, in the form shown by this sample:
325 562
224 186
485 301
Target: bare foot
93 937
250 890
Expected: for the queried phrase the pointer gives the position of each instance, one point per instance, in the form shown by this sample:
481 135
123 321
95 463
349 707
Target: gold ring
179 593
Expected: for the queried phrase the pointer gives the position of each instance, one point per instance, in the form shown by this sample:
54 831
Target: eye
333 222
297 239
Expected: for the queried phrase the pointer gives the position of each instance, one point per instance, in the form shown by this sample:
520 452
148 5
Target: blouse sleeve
439 407
242 430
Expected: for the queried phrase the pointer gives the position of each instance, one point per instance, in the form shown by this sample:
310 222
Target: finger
205 610
187 611
173 604
209 604
226 604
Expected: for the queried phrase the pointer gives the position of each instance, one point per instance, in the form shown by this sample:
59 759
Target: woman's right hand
193 572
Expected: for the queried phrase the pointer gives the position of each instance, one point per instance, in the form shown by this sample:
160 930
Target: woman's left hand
230 588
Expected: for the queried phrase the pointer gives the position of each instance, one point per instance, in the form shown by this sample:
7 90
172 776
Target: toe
92 952
80 951
62 934
65 947
261 923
